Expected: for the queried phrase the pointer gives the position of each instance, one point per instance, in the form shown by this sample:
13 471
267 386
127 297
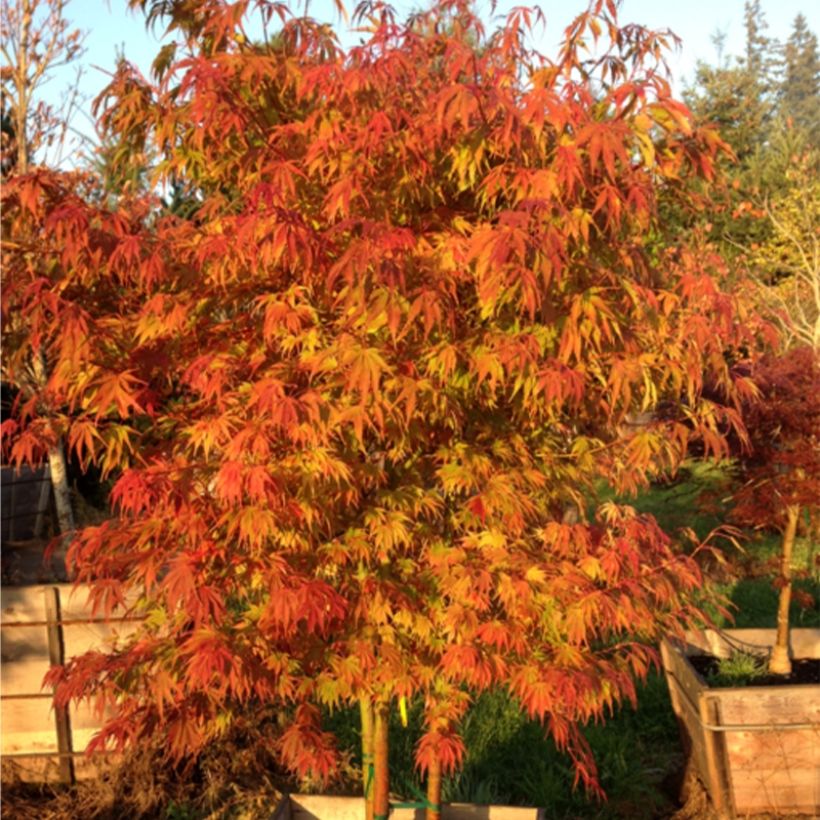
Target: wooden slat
326 807
81 637
469 811
21 604
27 726
689 681
804 643
24 659
718 771
777 791
686 690
753 751
84 725
770 705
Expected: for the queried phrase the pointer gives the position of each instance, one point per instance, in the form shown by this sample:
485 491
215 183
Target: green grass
692 499
739 669
698 499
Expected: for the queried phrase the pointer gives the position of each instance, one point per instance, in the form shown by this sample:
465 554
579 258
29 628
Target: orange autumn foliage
349 397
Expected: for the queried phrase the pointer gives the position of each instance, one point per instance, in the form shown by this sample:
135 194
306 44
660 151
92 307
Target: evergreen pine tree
800 93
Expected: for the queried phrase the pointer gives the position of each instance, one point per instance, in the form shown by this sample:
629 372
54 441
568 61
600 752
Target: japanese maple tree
357 400
781 470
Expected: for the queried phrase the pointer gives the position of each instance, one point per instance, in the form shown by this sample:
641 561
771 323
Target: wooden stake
368 772
381 785
56 657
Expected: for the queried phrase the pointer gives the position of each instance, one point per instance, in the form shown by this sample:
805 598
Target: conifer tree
800 92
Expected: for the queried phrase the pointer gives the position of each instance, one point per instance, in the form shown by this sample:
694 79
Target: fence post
56 657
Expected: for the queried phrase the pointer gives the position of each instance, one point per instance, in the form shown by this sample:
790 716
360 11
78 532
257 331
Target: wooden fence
42 626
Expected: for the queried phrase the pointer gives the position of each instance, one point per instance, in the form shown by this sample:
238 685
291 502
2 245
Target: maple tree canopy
356 399
782 468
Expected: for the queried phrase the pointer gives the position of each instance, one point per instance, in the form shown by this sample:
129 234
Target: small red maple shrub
350 398
782 465
781 469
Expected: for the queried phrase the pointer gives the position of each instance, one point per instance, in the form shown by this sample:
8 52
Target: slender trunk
59 480
381 790
368 772
434 789
21 82
780 663
57 465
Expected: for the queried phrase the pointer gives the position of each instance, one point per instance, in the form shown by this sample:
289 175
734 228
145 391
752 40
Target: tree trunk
381 785
434 789
366 709
21 82
57 466
780 663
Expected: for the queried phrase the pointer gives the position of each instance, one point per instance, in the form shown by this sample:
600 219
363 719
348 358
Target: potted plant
756 746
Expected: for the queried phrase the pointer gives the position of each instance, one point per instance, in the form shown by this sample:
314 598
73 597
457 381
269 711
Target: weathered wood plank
324 807
805 643
28 726
685 690
84 725
327 807
795 791
688 680
753 751
769 705
24 659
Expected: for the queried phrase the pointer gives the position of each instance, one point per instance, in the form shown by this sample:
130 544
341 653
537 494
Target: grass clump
739 669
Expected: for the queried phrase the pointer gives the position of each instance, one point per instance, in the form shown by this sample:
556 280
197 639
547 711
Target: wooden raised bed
756 748
326 807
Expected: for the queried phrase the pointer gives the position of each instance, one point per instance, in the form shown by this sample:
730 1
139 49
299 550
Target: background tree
789 261
800 95
781 471
765 105
37 39
348 402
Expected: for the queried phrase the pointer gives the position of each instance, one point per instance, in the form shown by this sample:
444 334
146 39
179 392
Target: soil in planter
804 671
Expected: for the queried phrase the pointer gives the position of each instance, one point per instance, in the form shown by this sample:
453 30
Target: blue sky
111 28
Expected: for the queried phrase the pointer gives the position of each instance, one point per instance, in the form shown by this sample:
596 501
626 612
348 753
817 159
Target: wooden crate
327 807
756 748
